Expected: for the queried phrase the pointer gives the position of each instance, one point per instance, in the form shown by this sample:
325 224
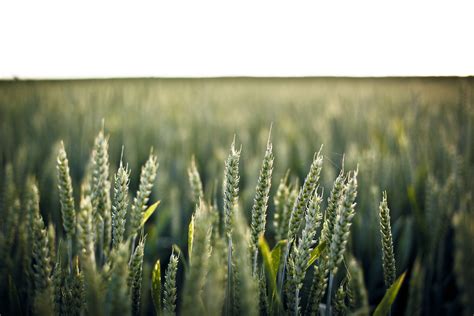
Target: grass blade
276 255
149 211
316 252
384 306
156 287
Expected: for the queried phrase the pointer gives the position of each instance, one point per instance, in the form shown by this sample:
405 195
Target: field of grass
83 251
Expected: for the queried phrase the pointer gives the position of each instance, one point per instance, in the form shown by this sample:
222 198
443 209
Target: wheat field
237 196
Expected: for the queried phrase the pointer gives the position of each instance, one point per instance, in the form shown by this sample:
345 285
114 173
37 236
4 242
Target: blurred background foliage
410 136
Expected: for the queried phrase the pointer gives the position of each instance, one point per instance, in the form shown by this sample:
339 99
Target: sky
101 39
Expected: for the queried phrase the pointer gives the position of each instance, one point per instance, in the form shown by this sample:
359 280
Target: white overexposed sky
83 39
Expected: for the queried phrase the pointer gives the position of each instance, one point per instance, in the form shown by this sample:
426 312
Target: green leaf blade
268 261
190 237
315 253
276 255
149 211
384 306
156 287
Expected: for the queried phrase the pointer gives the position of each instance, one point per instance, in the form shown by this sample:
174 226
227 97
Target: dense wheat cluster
205 197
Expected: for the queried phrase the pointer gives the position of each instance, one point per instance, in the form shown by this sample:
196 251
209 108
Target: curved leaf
190 237
384 306
315 253
276 255
267 260
156 286
149 211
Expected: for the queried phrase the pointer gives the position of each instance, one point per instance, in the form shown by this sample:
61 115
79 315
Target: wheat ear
388 258
120 204
169 289
260 203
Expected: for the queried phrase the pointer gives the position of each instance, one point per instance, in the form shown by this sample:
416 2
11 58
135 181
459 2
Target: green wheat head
319 285
120 204
231 187
280 216
195 182
100 189
199 266
388 258
302 250
135 276
65 193
340 306
118 297
345 213
41 269
310 184
147 180
85 231
334 200
169 289
260 203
